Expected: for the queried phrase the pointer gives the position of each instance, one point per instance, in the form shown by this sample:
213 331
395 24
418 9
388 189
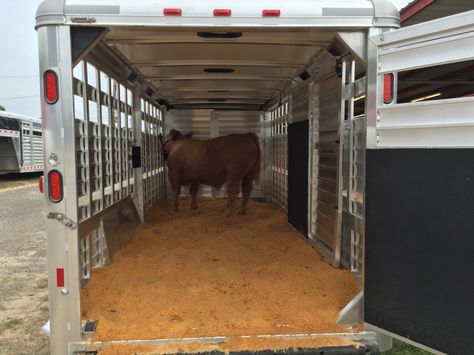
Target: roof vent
219 70
304 75
336 50
220 34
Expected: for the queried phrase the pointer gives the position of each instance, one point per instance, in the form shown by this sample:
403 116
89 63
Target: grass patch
401 348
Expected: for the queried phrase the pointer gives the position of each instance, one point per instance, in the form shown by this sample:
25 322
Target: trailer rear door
420 190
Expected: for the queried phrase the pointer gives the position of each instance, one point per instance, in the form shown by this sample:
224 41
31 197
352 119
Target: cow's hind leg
193 190
246 191
233 189
176 190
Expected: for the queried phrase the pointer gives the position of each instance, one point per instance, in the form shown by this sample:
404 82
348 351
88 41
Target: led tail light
222 12
50 87
60 277
387 88
272 12
55 186
172 12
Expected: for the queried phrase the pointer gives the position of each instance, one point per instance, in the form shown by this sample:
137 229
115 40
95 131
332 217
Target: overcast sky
19 81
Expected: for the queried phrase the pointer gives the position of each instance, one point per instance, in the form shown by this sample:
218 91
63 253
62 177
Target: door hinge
63 219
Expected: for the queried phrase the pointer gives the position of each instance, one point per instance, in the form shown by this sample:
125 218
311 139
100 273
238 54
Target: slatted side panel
267 155
26 144
300 103
198 122
104 113
353 173
324 216
229 122
104 134
279 116
152 127
37 143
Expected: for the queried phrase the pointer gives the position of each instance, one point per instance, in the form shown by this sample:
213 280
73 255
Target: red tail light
273 12
55 186
387 88
40 184
172 12
222 12
50 87
60 277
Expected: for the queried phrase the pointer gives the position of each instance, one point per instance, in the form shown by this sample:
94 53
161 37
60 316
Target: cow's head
171 138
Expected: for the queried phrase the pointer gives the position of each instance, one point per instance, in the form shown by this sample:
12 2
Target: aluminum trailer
383 189
21 143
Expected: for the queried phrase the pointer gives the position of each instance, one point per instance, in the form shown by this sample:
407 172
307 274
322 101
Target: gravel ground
23 286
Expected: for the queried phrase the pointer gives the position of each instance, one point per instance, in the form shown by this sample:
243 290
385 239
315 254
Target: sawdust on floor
199 274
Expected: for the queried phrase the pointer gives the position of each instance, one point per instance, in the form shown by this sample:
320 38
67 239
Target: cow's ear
174 134
189 135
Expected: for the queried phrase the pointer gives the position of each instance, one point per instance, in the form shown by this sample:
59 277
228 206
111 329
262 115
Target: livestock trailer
381 190
21 143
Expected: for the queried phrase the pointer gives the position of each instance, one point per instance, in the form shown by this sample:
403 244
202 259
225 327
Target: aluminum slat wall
107 125
300 103
325 181
275 126
104 134
152 157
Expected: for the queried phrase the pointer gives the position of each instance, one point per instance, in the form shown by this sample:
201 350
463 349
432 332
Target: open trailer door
420 190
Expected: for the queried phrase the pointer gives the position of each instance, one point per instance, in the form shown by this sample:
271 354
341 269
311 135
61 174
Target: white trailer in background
381 188
21 143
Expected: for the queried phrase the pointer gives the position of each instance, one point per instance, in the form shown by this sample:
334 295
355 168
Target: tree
2 108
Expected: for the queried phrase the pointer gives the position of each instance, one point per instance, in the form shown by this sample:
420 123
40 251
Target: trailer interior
276 278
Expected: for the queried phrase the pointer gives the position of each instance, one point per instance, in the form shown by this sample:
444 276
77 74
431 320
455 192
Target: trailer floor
199 274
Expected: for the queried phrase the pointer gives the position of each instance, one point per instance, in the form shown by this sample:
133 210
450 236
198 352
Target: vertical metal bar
340 183
85 101
147 155
350 120
127 154
120 141
162 193
152 151
111 139
155 173
100 147
60 146
138 141
155 153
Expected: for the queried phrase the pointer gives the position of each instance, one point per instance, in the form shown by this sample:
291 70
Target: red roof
413 8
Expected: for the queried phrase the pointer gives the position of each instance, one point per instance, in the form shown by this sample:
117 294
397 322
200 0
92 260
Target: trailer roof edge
375 13
18 116
50 12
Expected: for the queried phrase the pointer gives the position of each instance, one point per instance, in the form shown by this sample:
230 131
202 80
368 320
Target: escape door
419 219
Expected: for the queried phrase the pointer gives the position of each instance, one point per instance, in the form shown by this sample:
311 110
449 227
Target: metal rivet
64 291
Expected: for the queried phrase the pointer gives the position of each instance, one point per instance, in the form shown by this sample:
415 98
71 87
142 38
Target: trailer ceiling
221 67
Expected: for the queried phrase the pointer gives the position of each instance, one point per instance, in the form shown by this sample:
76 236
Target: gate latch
61 218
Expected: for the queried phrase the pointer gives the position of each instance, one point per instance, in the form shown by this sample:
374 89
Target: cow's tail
257 166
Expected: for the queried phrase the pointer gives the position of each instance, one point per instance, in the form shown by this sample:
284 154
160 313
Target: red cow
234 159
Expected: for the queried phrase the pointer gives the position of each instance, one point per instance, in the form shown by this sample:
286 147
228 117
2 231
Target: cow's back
211 161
